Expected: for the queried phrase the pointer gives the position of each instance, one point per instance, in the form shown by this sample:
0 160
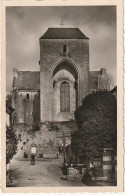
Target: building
114 92
64 79
9 117
45 101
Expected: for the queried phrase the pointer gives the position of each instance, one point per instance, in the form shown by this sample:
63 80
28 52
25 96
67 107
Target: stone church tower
64 72
54 93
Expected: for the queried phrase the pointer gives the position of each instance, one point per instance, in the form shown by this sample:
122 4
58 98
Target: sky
25 25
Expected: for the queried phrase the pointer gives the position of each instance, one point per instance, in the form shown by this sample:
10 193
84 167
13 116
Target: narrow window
27 96
64 97
64 48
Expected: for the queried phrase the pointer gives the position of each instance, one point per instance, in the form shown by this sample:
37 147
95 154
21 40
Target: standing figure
33 153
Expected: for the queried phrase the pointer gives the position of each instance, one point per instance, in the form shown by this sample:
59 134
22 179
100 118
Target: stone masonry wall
27 106
49 138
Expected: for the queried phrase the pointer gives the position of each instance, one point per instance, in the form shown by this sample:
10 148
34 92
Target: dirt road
42 174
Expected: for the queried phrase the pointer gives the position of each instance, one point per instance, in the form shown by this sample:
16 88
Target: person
87 179
32 159
33 153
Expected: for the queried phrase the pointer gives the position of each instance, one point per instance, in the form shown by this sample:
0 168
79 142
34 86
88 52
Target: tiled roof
63 33
27 80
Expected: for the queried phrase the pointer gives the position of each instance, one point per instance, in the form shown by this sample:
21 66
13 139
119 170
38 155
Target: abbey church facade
64 79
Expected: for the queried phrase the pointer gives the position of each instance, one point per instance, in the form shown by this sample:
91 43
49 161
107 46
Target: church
64 80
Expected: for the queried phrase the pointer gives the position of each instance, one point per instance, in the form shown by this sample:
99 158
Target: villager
87 179
33 153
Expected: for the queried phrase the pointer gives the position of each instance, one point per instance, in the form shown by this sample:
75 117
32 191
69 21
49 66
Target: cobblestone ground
42 174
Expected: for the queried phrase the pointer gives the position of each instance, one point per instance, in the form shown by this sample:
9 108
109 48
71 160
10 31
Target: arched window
64 97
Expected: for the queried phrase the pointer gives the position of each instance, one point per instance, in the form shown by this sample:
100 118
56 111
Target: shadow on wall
36 108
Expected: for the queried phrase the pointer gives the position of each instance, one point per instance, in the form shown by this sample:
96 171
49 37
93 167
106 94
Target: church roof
27 80
63 33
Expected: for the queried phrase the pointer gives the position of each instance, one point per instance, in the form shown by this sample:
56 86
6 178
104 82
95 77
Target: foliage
97 126
11 143
9 99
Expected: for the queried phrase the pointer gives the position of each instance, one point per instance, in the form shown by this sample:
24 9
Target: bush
11 143
97 126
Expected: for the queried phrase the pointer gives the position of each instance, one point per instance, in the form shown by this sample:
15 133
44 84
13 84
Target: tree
9 99
97 126
11 143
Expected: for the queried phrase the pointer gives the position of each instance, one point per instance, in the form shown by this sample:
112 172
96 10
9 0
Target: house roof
27 80
114 89
63 33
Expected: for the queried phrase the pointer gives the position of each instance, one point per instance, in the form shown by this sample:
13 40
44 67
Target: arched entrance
65 91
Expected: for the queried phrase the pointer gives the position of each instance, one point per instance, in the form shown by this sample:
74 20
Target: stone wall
50 138
27 106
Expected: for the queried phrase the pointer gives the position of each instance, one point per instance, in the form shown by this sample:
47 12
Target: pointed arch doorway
65 91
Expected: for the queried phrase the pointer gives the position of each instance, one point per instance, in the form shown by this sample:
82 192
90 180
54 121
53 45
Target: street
45 173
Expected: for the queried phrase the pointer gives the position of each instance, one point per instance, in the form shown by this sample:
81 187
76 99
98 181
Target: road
43 174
